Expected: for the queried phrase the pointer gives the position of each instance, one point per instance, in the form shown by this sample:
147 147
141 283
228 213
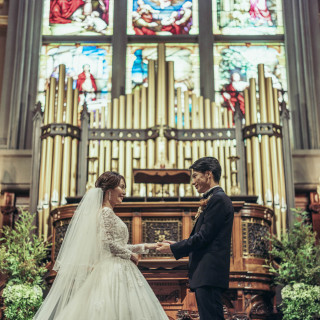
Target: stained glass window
247 17
77 17
186 65
88 65
235 64
162 17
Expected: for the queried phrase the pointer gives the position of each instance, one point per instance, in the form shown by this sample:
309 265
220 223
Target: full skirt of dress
115 290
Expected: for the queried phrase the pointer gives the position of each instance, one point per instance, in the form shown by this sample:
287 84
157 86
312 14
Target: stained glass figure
235 64
78 17
254 17
162 17
89 66
186 65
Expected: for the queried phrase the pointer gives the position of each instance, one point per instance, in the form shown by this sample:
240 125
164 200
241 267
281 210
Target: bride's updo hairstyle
109 180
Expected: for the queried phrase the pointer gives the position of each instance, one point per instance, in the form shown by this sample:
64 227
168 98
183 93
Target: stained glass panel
186 65
162 17
235 64
77 17
247 17
89 66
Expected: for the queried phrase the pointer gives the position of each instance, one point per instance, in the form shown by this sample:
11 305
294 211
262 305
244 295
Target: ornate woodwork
250 295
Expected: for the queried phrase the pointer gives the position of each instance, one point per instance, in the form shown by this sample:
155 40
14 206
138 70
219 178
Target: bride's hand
150 246
134 258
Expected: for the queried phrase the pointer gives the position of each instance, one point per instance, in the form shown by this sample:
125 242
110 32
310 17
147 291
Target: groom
208 246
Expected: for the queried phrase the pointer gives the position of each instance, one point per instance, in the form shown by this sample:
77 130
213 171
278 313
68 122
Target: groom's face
200 180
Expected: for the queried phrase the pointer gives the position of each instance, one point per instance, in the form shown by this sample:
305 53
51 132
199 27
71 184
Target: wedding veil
80 251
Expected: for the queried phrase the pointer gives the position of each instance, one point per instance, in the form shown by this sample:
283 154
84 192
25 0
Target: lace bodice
115 235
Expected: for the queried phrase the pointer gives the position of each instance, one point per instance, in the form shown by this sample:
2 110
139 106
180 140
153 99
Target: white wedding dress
115 289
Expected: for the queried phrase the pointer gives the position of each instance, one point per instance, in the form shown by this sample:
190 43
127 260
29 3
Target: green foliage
301 301
296 266
22 301
22 252
298 254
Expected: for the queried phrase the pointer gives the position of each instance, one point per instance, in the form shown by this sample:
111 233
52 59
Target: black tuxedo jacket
208 246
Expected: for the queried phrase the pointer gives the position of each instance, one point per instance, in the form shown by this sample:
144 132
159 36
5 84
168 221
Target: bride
97 274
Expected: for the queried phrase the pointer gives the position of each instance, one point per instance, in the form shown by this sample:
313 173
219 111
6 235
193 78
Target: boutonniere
203 204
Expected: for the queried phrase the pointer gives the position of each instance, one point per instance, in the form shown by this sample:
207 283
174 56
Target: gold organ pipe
57 147
43 167
248 144
143 146
256 158
274 160
128 172
180 143
161 85
233 151
194 125
122 125
221 151
151 119
136 144
96 148
202 147
161 141
171 113
66 165
187 150
228 165
49 158
151 93
108 142
74 146
265 146
61 93
57 142
230 119
171 121
207 117
91 157
115 144
102 145
227 144
215 125
283 201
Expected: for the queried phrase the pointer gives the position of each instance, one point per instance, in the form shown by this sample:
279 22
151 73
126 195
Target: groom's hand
169 241
164 247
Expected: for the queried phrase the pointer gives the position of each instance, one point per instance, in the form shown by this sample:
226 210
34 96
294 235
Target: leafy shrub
301 301
22 252
297 254
22 255
22 301
296 266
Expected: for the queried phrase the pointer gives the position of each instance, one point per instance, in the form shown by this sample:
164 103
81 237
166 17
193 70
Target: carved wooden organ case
250 295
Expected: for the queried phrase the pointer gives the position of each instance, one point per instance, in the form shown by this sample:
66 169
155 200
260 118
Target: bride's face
118 193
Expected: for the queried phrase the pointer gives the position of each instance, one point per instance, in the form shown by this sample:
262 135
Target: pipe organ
158 127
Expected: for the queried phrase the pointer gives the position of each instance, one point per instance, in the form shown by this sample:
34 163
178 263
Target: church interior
145 88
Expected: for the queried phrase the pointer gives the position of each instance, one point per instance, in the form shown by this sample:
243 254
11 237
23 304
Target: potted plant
22 254
296 266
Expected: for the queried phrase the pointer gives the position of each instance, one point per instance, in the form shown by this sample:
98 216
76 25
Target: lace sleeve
109 236
138 248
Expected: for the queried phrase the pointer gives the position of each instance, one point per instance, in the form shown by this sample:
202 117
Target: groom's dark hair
208 164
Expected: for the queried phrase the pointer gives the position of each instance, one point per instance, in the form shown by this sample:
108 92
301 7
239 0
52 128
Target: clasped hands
161 247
